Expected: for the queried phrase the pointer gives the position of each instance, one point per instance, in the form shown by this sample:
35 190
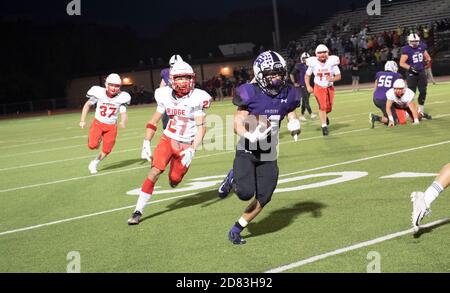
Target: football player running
110 101
414 59
165 81
185 106
422 200
384 82
326 71
264 104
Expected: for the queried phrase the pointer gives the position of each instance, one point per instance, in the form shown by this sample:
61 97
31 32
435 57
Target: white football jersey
107 108
322 70
404 100
182 112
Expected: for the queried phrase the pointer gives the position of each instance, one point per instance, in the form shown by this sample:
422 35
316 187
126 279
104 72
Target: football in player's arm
110 101
185 106
255 170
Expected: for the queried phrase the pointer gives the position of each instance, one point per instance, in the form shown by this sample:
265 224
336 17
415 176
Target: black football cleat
325 131
135 217
236 238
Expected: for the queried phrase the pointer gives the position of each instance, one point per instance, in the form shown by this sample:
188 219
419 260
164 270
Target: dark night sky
149 18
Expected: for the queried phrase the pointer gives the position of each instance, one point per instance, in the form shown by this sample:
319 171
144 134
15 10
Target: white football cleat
302 118
313 115
93 167
420 209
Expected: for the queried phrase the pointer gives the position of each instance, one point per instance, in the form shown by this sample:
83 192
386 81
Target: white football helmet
174 59
304 56
270 72
113 78
185 86
391 66
413 40
399 84
321 48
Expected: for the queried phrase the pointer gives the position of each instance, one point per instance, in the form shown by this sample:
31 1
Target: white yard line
352 247
156 201
89 215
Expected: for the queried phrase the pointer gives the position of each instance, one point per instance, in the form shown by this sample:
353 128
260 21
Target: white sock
432 193
421 108
324 125
243 222
142 201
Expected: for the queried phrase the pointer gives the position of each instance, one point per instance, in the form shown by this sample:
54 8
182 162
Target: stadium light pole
277 27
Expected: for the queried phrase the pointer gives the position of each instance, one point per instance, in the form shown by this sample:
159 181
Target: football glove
146 151
187 156
257 135
413 70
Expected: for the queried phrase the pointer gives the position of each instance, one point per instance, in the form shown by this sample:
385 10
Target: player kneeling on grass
255 169
422 200
402 99
185 106
384 82
110 101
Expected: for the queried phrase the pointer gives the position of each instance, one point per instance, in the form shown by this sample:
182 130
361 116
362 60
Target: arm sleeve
336 70
160 108
91 95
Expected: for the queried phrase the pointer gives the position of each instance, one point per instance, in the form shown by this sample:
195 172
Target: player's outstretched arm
412 106
84 113
391 122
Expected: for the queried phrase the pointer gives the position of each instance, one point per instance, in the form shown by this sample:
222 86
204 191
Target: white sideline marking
408 175
283 175
352 247
89 215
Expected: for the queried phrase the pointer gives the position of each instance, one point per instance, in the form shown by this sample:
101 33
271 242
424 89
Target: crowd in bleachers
356 45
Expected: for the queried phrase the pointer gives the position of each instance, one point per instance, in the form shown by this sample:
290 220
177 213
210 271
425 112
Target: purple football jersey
249 96
385 81
416 56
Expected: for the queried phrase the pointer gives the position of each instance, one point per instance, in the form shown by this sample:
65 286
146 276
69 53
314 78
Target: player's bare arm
412 106
150 131
308 85
403 60
389 113
123 119
84 113
201 130
239 121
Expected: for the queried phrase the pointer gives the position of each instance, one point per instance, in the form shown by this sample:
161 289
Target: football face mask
183 85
